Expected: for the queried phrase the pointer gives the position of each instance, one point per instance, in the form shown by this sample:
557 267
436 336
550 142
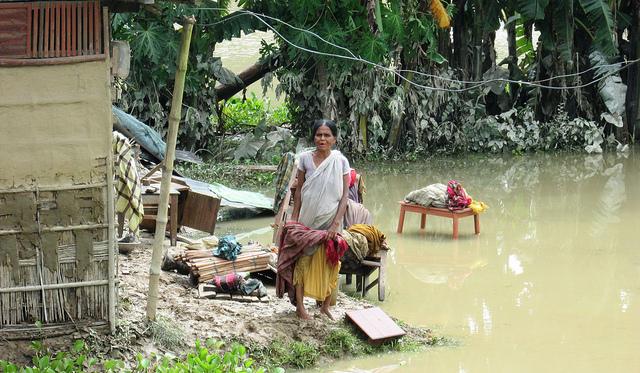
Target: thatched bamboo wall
57 251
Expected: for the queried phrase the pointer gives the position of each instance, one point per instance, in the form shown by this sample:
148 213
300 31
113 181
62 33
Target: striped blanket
127 182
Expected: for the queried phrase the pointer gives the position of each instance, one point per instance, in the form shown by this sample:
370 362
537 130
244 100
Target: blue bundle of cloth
228 248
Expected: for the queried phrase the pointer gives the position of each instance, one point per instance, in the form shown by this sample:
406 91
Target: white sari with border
321 193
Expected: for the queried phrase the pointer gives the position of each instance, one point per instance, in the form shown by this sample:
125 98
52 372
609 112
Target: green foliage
532 9
404 37
295 354
601 24
565 25
240 114
74 361
344 341
212 356
230 174
147 92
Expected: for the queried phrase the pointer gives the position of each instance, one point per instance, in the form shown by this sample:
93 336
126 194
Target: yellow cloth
319 278
478 206
374 236
127 182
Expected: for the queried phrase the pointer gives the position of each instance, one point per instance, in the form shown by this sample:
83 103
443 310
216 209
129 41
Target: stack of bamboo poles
205 266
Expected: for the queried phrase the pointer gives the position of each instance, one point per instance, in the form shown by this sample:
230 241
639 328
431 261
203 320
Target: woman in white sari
320 203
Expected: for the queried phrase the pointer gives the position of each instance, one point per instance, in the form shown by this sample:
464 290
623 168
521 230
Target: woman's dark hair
324 122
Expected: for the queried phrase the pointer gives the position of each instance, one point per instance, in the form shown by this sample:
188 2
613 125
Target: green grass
229 174
166 333
344 341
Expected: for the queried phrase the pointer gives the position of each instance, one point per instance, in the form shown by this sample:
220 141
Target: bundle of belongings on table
208 260
451 196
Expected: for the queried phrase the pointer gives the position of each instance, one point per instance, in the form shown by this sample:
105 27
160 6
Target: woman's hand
333 230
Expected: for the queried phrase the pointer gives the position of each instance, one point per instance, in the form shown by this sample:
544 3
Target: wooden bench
445 213
367 266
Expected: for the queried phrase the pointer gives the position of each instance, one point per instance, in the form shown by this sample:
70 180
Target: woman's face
324 139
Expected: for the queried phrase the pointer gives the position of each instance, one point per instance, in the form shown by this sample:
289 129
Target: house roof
114 5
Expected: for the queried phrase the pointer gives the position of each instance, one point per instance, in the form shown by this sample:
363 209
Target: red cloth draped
336 249
458 198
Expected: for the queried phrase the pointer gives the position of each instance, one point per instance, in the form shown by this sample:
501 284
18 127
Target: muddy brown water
552 283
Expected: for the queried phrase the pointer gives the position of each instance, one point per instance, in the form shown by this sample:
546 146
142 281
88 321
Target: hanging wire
473 84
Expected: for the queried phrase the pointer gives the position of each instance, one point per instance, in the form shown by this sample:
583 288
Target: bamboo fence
71 284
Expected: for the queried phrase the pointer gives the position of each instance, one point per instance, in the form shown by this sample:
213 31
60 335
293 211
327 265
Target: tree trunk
362 124
167 169
444 44
396 125
488 51
460 53
513 57
477 41
249 76
633 74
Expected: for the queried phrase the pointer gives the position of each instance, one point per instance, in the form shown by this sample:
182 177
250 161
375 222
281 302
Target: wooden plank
52 30
63 29
45 31
28 26
35 32
96 27
200 211
375 324
58 12
50 61
85 44
105 31
73 22
14 30
41 30
89 28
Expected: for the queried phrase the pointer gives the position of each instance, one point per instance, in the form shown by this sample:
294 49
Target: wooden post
167 169
111 210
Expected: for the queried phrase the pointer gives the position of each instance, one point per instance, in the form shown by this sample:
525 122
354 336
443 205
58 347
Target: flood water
552 283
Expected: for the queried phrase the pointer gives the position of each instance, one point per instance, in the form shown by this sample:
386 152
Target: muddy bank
183 318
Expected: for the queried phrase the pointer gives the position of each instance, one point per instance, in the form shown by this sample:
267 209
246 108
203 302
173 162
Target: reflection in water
611 199
624 300
473 326
450 268
486 319
514 264
548 286
382 369
552 275
524 294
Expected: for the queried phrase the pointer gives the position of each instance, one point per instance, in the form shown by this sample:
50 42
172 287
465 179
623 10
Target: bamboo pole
167 168
65 285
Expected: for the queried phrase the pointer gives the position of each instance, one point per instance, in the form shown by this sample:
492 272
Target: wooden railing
51 29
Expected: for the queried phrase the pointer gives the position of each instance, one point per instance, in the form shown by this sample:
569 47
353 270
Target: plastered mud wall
55 125
55 145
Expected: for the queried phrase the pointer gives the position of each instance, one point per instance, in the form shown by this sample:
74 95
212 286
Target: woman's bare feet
326 312
302 314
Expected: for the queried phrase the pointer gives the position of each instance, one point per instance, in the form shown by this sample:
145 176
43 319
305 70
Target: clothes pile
363 240
234 283
228 248
452 196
